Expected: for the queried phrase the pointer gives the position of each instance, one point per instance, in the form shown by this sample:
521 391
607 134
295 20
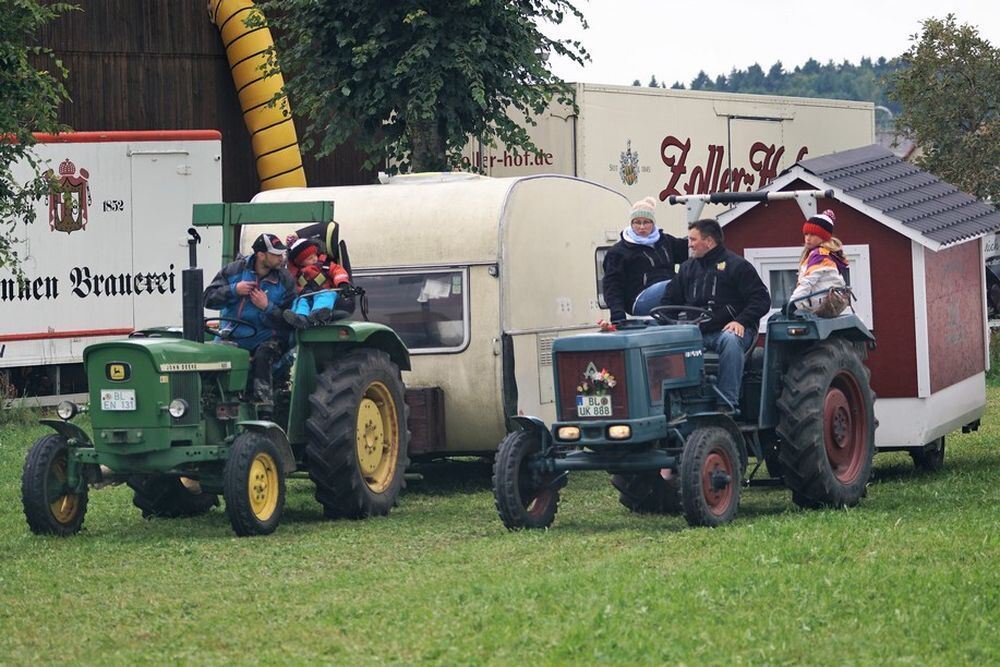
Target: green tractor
806 414
169 417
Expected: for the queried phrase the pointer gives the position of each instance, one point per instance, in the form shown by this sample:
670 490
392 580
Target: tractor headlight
568 433
67 410
619 432
177 408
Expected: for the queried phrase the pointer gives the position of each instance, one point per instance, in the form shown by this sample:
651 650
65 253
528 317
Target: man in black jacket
727 285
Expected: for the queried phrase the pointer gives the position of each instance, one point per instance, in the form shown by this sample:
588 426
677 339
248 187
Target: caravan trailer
478 276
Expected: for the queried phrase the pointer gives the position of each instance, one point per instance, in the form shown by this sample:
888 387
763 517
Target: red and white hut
915 246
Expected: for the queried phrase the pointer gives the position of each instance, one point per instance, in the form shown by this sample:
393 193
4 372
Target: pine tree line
845 81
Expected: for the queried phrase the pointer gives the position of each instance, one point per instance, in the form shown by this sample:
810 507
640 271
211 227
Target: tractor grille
188 387
571 368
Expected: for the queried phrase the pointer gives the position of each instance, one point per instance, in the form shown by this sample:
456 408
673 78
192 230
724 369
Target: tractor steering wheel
684 314
228 334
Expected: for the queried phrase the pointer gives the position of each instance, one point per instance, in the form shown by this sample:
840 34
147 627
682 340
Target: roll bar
806 199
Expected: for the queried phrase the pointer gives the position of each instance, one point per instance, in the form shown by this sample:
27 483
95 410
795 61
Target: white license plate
593 406
117 399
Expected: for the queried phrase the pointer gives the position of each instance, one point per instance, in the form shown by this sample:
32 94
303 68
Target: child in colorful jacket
315 281
821 267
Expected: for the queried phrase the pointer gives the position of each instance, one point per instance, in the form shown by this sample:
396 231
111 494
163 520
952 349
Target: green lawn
910 576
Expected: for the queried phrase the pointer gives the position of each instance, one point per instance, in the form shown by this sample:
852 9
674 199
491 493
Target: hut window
779 267
427 308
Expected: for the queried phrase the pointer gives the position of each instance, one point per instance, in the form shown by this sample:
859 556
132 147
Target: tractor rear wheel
711 477
358 436
253 485
167 497
523 497
648 492
827 426
49 506
930 457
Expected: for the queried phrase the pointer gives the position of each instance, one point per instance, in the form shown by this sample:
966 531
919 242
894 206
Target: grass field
910 576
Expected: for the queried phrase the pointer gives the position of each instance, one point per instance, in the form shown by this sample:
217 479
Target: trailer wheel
648 492
357 435
253 485
524 498
167 497
827 426
49 506
930 457
711 477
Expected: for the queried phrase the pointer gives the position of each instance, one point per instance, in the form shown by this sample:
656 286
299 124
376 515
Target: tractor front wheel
357 435
648 492
827 426
169 497
50 506
711 477
524 498
253 485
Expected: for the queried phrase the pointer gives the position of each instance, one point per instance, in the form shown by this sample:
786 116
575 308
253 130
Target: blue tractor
641 403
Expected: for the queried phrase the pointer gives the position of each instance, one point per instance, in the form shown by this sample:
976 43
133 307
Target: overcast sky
633 39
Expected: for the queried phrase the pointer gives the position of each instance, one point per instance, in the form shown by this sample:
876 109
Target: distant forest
844 81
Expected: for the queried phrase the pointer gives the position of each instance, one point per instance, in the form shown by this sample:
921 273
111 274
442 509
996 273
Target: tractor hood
682 336
176 354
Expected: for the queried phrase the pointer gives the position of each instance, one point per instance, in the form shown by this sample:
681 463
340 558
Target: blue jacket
221 295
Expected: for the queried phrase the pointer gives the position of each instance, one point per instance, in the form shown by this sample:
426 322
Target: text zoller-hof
85 283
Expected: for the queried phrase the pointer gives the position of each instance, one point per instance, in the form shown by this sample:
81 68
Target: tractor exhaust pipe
192 292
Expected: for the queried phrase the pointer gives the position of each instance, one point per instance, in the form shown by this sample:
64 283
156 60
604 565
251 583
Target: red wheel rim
717 463
538 504
845 427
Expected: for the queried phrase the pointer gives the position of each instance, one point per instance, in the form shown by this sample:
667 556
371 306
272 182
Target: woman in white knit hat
644 255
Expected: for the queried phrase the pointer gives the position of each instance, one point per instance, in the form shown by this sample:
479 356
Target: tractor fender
68 431
275 434
532 425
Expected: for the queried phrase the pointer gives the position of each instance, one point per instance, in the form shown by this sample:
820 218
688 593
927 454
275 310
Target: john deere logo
118 371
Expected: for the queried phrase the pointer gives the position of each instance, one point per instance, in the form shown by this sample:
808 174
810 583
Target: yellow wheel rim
262 486
377 438
65 507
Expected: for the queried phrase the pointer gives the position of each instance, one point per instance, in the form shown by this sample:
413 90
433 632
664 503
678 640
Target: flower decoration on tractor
596 382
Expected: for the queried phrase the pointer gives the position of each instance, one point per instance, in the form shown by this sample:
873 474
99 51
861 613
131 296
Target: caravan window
599 261
427 308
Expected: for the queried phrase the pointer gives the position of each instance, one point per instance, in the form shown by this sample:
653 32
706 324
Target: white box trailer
651 141
103 258
478 276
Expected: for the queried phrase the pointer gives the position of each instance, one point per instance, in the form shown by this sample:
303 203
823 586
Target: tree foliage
412 80
29 102
948 86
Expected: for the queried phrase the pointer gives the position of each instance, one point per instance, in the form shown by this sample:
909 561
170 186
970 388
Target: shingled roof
915 199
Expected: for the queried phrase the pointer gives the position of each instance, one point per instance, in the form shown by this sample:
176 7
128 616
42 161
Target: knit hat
269 243
644 208
821 225
302 250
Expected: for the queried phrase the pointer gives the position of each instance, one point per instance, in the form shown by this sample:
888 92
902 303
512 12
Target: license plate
593 406
117 399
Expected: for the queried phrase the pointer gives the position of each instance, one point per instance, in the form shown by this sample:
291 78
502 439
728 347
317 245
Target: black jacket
724 283
630 268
